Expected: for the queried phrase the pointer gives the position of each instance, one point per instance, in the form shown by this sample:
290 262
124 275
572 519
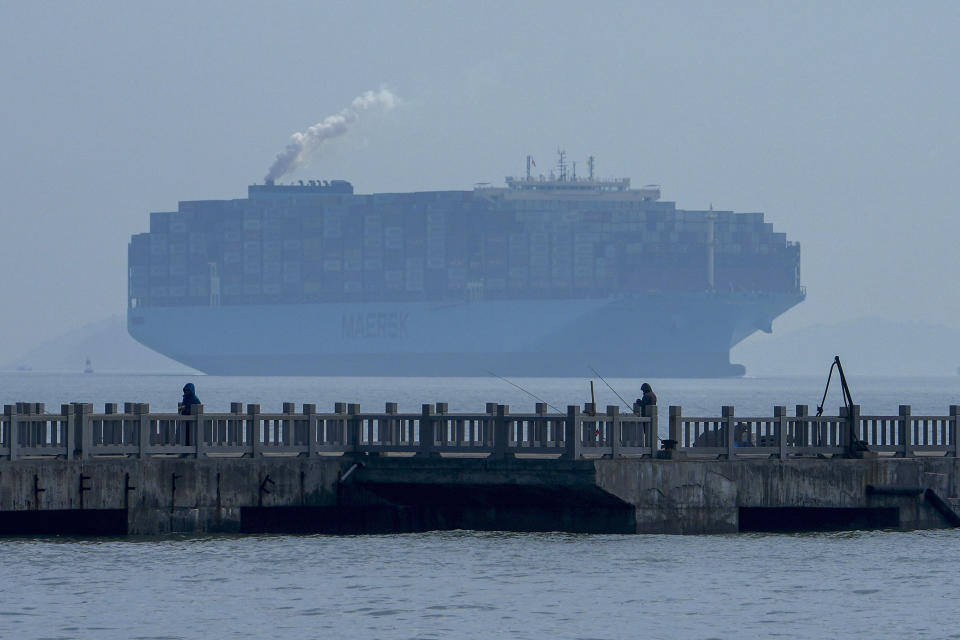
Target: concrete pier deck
136 472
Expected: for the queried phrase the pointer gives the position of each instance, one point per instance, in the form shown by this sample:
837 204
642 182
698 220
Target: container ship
548 275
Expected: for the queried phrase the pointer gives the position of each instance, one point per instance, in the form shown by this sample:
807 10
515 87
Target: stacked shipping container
285 244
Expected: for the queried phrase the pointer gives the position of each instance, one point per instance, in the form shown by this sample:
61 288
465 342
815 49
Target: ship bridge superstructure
564 179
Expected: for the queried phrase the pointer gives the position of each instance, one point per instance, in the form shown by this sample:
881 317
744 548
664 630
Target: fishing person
189 398
648 399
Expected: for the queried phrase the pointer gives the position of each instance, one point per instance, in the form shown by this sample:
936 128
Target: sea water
461 584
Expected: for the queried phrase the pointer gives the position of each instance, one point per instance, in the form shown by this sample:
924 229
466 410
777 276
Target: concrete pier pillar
571 437
354 429
501 434
426 432
904 432
780 413
253 430
729 426
653 428
615 430
800 433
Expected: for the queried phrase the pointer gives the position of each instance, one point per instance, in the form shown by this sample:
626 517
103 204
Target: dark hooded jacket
649 398
189 398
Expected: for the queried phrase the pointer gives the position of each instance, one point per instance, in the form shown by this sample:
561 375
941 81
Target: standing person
649 398
189 398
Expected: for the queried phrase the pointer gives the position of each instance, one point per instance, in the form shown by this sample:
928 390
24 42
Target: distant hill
872 345
107 344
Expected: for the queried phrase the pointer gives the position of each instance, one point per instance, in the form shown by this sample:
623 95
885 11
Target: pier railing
27 430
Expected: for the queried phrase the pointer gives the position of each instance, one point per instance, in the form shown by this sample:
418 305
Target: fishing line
535 397
625 403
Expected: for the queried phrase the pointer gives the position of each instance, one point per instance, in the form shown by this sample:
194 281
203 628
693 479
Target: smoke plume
303 142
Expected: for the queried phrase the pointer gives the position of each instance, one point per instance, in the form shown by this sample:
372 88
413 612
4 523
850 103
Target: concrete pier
112 473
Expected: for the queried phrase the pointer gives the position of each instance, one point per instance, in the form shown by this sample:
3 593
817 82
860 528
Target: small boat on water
88 368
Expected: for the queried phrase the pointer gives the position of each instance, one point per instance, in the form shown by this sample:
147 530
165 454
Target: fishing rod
535 397
625 403
847 398
854 446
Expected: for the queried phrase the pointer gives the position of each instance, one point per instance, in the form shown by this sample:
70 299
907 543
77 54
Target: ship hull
652 335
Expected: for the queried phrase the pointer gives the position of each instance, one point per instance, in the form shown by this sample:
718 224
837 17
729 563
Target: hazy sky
838 120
